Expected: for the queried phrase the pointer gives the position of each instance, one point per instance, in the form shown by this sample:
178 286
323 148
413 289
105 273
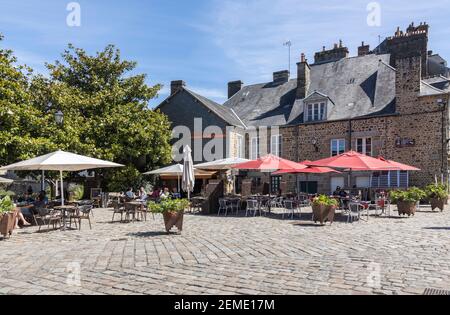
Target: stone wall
427 130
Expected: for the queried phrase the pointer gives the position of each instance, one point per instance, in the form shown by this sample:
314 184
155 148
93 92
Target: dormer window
316 111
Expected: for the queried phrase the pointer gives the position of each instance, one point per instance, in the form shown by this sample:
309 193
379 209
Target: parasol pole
62 187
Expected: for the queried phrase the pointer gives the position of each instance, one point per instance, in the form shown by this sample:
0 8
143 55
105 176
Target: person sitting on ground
165 193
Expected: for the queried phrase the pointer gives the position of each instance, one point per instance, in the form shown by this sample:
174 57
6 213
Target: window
254 153
275 145
390 179
240 146
364 146
315 112
275 184
337 147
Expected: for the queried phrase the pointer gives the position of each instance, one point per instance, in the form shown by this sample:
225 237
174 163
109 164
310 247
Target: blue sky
209 42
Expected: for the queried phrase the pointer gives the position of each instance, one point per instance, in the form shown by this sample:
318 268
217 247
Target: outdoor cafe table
65 210
137 206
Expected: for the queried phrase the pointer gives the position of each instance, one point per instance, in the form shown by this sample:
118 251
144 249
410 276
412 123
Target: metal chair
83 213
224 205
117 209
236 205
353 212
50 216
277 202
253 205
378 206
289 207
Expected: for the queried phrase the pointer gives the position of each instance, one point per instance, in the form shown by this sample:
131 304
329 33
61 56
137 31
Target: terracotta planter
438 203
323 213
173 219
7 223
406 208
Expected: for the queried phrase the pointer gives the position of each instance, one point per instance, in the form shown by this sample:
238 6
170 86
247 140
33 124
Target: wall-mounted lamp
315 143
59 117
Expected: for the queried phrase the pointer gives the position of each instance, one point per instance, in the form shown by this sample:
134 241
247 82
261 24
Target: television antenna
288 44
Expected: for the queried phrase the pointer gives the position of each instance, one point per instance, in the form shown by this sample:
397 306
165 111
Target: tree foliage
105 107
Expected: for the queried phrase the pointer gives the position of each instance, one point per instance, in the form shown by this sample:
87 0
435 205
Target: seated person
165 193
130 194
175 194
42 200
156 193
142 194
337 192
20 217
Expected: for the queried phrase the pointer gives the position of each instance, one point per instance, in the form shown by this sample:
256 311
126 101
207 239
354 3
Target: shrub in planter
172 211
7 216
324 209
437 195
407 200
76 192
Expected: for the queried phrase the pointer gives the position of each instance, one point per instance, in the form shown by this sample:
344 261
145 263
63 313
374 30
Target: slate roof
226 114
266 104
357 86
362 86
223 112
439 82
437 65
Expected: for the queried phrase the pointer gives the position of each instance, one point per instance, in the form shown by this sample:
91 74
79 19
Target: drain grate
436 292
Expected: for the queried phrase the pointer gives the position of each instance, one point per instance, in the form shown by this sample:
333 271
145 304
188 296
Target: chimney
303 77
234 87
176 85
281 76
363 50
410 44
338 52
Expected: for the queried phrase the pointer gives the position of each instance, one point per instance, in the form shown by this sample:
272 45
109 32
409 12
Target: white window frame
316 109
338 141
276 145
240 146
254 148
364 145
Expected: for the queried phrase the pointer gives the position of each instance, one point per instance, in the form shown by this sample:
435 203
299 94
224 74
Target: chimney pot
303 58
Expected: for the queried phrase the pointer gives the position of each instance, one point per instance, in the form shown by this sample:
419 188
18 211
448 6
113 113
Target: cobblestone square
232 255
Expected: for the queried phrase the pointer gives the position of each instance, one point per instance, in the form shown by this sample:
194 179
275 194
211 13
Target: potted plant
437 195
407 200
172 211
7 216
324 209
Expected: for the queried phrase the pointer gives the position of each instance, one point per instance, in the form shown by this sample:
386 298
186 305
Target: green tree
22 125
106 112
105 107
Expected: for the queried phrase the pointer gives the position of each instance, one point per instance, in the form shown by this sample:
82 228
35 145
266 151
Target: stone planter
173 219
406 208
323 213
7 223
438 203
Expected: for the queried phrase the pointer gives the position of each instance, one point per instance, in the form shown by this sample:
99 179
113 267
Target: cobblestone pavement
233 255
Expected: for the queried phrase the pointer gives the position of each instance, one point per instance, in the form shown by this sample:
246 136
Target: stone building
391 101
